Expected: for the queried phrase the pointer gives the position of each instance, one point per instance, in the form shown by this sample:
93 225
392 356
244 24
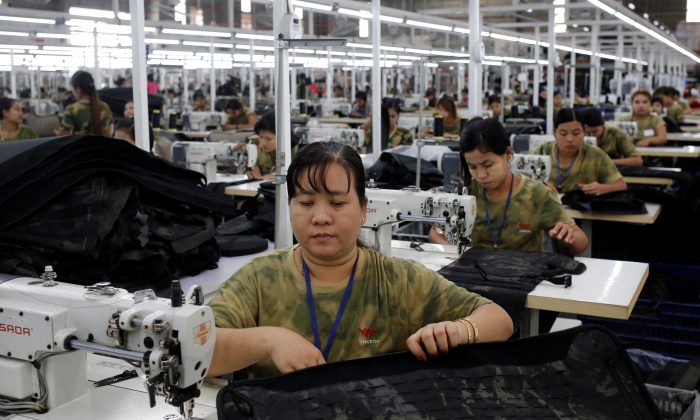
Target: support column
97 60
231 11
475 59
536 70
572 77
138 73
212 78
376 81
251 77
552 58
595 60
329 75
618 65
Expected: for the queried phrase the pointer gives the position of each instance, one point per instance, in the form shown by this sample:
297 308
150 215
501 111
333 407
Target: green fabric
684 105
242 119
453 127
676 112
24 133
391 299
616 144
399 137
265 161
533 209
591 165
77 117
652 122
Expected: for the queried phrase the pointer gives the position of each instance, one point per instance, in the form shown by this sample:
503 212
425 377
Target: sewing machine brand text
15 329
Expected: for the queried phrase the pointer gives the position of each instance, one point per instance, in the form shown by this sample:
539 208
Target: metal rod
427 219
105 350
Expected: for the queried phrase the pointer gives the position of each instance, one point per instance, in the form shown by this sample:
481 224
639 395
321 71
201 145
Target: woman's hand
291 352
643 143
437 339
552 188
256 173
594 188
562 232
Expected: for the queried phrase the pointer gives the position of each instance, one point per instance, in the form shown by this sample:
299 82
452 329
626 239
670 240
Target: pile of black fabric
580 373
506 276
618 202
99 209
395 171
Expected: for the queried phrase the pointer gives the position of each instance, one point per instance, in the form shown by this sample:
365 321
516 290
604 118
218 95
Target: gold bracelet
476 330
466 327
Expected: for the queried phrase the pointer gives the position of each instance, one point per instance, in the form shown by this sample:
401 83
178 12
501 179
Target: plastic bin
675 404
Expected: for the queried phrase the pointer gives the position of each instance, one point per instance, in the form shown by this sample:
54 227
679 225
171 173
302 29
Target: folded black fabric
581 373
619 202
99 209
646 172
396 171
507 276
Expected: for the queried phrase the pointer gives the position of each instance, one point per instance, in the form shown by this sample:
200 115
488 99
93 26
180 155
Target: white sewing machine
630 128
332 105
47 327
204 157
529 143
388 207
537 167
199 121
353 137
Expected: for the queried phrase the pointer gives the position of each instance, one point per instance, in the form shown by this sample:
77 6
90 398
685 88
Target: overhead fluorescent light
364 28
123 16
631 6
461 30
50 35
149 29
388 48
582 52
19 47
196 43
246 6
310 5
560 28
503 37
563 48
428 25
98 13
11 33
485 33
255 36
357 13
692 11
417 51
197 33
355 45
607 56
392 19
27 20
527 41
255 47
161 41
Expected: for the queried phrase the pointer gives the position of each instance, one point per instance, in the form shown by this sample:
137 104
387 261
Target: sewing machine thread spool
302 108
438 126
155 119
172 123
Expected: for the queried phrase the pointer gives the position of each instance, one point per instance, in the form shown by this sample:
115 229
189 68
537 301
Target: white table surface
249 189
684 151
653 211
230 177
690 128
688 137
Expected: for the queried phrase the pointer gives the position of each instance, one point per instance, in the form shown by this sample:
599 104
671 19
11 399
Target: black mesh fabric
506 276
581 373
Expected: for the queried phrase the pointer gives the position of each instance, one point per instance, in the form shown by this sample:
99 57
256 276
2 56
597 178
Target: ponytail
84 81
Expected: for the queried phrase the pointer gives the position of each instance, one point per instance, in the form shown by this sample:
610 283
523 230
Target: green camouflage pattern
591 165
676 113
242 119
76 117
453 127
391 299
399 137
684 105
652 122
533 209
24 133
616 144
266 161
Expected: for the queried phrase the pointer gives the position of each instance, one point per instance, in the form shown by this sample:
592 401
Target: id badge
649 132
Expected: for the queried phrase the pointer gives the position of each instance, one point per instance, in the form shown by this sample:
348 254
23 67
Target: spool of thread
172 122
302 108
438 126
155 120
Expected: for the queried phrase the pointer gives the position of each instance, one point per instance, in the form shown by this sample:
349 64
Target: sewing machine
353 137
537 167
199 121
205 157
388 207
630 128
47 327
529 143
329 107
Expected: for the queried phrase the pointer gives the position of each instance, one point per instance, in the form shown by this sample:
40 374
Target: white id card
649 132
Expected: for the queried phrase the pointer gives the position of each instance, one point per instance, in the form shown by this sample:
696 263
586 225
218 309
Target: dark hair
312 162
465 90
198 94
126 124
657 98
266 123
391 103
486 135
643 93
6 104
449 105
430 91
592 117
361 95
566 115
119 81
556 93
84 81
494 98
233 104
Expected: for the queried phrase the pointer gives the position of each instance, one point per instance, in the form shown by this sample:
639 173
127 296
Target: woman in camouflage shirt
12 118
281 312
89 115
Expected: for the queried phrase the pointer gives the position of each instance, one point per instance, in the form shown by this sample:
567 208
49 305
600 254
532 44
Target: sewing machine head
455 213
201 120
205 157
537 167
353 137
45 326
630 128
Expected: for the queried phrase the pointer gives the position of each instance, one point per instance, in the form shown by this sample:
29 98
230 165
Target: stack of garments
100 209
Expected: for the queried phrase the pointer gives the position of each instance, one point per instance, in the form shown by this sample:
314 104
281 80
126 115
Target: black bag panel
581 373
619 202
396 171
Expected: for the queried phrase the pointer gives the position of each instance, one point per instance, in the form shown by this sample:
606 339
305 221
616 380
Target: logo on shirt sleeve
368 333
525 228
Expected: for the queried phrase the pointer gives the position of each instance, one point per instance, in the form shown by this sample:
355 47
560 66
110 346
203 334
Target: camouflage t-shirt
24 133
591 165
676 112
533 208
242 118
399 137
453 127
652 122
391 299
77 117
616 144
265 161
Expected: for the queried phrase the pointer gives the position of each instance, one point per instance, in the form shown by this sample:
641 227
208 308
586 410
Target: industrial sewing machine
630 128
46 327
353 137
200 121
205 157
537 167
331 106
529 143
387 207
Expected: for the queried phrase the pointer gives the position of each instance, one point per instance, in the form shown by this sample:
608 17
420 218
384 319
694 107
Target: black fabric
396 171
232 246
259 214
522 128
117 97
581 373
643 171
101 209
619 202
507 276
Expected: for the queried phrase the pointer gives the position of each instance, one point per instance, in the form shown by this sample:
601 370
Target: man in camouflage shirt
611 140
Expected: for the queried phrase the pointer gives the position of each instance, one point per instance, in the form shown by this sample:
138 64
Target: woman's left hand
594 188
643 143
562 232
436 339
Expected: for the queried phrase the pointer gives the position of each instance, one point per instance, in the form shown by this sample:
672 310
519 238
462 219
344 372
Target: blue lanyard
497 239
312 308
560 179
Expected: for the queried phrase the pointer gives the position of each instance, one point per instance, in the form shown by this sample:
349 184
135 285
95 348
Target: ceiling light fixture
428 25
199 33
